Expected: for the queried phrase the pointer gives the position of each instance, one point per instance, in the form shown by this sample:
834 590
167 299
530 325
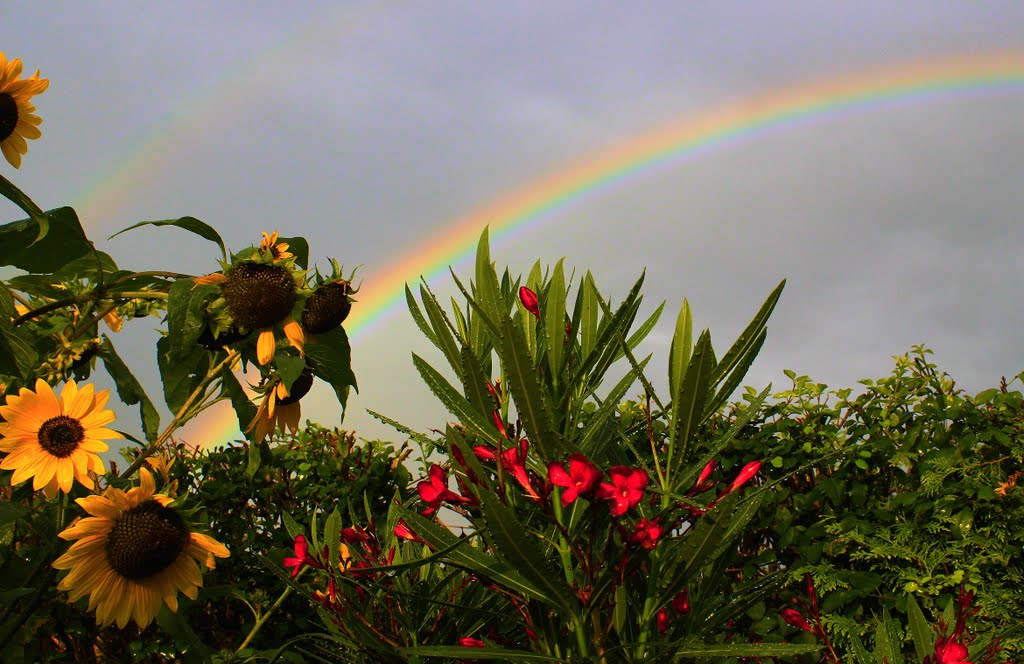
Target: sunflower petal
265 346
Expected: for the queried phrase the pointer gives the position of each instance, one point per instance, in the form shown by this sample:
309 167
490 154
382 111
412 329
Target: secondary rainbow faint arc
382 294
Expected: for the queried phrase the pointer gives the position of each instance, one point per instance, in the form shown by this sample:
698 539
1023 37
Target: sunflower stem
263 619
180 416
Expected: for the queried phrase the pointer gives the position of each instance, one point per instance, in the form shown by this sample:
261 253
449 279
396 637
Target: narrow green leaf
442 332
920 631
488 292
517 547
254 461
456 404
860 653
588 315
129 389
682 344
888 640
621 608
609 406
735 377
645 328
748 337
332 536
526 390
291 525
191 224
473 559
417 316
464 653
691 651
688 405
474 382
552 314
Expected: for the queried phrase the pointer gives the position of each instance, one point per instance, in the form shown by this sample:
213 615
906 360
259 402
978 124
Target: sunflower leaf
332 362
129 389
191 224
65 242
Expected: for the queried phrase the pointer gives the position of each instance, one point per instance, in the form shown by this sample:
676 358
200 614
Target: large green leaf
64 242
17 356
191 224
332 362
526 390
186 308
179 375
245 411
129 389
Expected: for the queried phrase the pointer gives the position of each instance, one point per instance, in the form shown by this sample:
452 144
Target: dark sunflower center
8 115
61 435
146 540
259 295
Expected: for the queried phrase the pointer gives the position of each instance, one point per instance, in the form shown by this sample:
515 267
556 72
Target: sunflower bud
327 307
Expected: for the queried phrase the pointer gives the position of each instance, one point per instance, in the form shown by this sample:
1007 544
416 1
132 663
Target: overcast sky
370 126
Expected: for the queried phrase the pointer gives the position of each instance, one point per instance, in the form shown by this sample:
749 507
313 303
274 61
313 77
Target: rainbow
382 294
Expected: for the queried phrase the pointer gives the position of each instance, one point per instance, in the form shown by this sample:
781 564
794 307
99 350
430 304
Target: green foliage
893 498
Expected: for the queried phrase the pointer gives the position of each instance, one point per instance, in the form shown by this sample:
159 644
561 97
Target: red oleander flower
681 602
663 621
581 478
704 481
435 491
470 642
529 300
496 416
403 531
354 535
796 619
748 471
646 534
948 651
625 490
301 558
513 459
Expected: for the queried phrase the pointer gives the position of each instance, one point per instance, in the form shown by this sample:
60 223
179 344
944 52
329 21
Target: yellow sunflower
279 409
278 250
132 552
55 441
17 119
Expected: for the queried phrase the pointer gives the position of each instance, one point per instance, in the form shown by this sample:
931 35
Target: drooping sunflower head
55 441
259 295
17 115
330 303
135 550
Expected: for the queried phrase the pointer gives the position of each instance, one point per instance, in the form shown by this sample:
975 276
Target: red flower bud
529 300
470 642
748 471
663 621
796 619
681 602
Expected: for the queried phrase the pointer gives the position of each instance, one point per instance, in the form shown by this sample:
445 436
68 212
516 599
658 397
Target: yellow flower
278 250
55 441
17 119
132 552
279 409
